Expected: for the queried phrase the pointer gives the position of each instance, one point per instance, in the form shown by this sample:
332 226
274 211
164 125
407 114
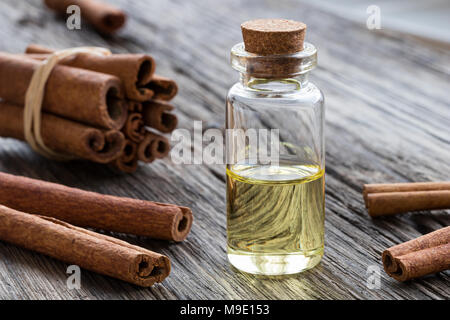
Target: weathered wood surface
388 119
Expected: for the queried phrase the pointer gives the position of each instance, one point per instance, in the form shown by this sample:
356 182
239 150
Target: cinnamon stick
130 151
404 187
134 106
128 161
65 136
86 96
87 249
89 209
427 254
388 203
156 114
134 127
135 70
129 166
105 18
38 52
162 87
154 146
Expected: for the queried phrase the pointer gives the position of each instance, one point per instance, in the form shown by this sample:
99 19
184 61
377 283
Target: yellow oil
275 217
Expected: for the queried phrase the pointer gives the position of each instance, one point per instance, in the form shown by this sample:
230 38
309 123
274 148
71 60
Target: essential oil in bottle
275 211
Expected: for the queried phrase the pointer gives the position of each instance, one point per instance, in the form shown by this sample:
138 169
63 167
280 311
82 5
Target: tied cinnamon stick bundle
86 96
156 114
388 199
136 73
154 146
425 255
135 70
87 249
65 136
105 18
90 209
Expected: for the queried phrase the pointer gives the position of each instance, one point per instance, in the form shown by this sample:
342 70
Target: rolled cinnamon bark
134 106
86 96
128 161
135 70
38 52
163 88
134 127
404 187
129 166
387 203
89 209
65 136
87 249
418 257
129 152
154 146
104 17
156 114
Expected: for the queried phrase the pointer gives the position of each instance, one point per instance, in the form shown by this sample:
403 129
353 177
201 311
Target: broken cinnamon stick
104 17
154 146
89 209
87 249
65 136
86 96
135 70
134 127
427 254
156 114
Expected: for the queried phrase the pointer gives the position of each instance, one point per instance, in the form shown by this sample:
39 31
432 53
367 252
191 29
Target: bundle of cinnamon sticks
427 254
107 109
32 214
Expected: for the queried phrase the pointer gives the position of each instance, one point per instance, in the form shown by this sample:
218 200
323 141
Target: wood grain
388 120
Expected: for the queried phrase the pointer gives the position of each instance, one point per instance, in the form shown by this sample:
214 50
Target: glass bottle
275 186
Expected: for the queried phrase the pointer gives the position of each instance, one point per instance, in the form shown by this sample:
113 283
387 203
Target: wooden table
388 120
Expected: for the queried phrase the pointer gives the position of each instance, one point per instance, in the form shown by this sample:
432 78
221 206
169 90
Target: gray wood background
388 120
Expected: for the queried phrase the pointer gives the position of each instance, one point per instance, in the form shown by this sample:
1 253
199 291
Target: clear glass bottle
275 209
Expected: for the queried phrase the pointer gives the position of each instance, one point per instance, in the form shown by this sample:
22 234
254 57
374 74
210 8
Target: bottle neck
274 85
274 73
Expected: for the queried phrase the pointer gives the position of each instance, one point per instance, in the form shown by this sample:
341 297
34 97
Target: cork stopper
273 36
